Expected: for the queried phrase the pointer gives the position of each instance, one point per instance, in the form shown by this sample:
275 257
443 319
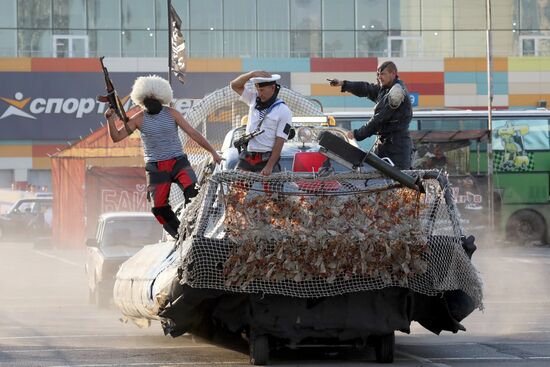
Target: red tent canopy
93 176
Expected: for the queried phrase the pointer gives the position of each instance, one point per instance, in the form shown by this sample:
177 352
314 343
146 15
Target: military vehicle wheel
384 347
259 349
526 226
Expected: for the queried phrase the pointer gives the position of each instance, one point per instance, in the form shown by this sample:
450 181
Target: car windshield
22 207
134 232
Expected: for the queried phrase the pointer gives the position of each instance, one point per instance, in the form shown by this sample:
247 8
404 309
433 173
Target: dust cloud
515 279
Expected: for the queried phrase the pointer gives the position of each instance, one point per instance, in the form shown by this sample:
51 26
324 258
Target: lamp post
490 199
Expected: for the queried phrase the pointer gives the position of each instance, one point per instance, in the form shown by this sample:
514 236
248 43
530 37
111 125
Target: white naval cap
260 80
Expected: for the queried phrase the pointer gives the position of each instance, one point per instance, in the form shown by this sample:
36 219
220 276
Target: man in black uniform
392 114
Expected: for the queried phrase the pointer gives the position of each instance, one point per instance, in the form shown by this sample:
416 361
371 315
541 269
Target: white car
119 236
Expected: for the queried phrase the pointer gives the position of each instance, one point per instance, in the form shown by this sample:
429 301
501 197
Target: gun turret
340 150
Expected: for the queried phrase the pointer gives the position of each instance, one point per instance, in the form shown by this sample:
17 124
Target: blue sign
414 99
62 106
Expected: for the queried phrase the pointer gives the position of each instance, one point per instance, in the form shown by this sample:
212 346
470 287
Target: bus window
451 157
516 141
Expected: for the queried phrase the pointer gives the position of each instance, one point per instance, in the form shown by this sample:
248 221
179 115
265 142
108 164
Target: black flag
177 52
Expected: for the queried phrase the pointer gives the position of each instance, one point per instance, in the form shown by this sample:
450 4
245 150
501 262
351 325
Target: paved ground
46 321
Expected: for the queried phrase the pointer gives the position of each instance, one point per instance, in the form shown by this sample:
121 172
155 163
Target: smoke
516 299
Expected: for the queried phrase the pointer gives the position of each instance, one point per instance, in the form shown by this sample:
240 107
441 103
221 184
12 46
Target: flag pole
490 198
169 3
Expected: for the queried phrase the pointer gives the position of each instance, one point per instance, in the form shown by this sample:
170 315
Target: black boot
172 228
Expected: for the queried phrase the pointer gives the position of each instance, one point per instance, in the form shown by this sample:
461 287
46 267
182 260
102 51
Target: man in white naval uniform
268 116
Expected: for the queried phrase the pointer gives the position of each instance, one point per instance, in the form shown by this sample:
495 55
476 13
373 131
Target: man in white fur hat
267 115
165 161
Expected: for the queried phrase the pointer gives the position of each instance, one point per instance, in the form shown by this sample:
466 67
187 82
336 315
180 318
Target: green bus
455 141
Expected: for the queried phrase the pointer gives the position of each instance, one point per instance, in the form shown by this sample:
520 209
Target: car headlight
305 134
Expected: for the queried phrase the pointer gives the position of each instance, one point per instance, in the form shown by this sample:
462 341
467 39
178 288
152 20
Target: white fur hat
152 86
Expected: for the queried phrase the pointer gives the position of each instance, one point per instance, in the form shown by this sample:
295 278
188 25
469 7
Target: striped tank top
159 134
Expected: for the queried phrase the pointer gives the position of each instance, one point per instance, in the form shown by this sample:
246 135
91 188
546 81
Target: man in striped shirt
165 161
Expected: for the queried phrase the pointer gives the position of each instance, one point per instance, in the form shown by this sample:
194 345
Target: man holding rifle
165 161
269 122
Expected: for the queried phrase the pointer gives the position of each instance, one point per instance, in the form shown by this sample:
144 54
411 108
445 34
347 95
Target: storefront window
105 43
470 43
206 15
240 15
534 15
404 14
438 43
371 15
505 15
505 43
273 44
305 44
137 14
138 43
336 14
103 14
34 43
470 15
34 14
239 44
305 15
8 43
437 15
162 43
372 44
69 14
273 15
9 15
338 44
206 44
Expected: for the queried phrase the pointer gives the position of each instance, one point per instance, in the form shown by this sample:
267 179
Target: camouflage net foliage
303 236
299 237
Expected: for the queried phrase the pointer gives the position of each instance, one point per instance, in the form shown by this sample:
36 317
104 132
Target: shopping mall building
50 74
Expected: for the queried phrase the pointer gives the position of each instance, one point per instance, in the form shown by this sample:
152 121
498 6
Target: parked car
27 218
119 236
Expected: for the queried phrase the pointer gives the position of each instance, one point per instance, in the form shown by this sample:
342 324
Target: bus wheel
526 226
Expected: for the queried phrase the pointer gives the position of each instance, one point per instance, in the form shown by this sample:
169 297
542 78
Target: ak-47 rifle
112 97
241 143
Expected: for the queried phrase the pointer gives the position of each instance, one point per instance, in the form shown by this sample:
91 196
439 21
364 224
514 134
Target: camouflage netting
296 235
